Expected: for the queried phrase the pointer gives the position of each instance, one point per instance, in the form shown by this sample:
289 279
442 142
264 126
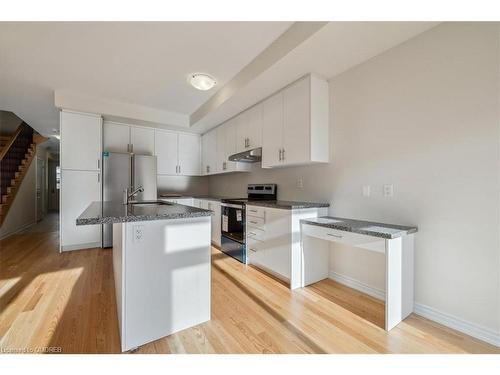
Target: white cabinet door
230 145
254 127
272 130
142 140
116 137
81 141
209 147
78 190
297 123
189 154
221 164
216 221
166 152
241 123
277 241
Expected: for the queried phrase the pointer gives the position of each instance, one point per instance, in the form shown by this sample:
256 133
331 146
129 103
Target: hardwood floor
67 301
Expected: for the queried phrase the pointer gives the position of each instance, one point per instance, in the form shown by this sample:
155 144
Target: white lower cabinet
79 189
273 240
213 206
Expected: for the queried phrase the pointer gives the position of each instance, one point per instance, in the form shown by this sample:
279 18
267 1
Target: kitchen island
161 266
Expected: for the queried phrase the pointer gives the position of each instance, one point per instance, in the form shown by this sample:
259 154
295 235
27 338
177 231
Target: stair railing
12 155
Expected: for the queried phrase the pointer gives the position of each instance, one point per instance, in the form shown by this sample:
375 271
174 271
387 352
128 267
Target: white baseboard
472 329
15 231
358 285
81 246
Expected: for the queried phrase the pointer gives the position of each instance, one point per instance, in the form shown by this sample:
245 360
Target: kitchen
317 208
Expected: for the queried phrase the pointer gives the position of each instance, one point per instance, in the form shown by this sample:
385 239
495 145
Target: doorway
54 182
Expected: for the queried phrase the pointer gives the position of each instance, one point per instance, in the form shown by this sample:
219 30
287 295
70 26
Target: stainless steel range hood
250 156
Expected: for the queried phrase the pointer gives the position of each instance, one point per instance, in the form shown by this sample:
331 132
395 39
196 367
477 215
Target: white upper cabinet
189 154
221 157
272 134
142 140
303 137
291 126
249 129
81 141
209 152
166 152
127 138
116 137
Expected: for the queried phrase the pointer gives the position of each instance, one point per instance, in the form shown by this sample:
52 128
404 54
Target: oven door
233 231
233 222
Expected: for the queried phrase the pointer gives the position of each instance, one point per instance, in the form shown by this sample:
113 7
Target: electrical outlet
300 183
138 233
366 190
388 191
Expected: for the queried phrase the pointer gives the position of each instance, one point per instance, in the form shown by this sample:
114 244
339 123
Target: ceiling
143 66
142 63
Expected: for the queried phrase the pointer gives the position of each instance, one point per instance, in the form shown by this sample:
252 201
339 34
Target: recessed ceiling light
202 81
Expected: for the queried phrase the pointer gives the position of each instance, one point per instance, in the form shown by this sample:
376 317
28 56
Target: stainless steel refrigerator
126 171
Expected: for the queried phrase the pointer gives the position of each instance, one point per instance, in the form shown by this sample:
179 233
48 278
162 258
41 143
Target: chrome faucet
127 195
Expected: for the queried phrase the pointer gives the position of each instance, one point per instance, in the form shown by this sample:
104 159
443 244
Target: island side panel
167 277
118 234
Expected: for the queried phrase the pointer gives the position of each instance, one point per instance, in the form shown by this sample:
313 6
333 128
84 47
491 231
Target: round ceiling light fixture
202 81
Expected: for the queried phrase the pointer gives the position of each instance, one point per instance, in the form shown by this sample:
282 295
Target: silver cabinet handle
283 154
334 235
279 154
99 178
253 222
179 169
98 163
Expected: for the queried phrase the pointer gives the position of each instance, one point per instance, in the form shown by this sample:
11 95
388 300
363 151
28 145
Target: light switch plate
388 191
366 190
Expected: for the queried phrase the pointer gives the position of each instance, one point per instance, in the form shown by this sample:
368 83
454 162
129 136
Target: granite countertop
370 228
288 205
116 212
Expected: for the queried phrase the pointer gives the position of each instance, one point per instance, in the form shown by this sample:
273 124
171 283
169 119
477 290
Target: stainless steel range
233 236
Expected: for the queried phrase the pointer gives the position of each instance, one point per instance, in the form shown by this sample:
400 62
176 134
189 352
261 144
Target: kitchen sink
144 203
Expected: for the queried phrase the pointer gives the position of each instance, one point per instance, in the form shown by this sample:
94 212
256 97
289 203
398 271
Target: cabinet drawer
255 234
254 245
256 211
348 238
256 222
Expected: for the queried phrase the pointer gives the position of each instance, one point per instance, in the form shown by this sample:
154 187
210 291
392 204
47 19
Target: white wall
424 117
22 213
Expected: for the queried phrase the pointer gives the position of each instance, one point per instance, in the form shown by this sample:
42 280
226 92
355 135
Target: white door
142 140
166 152
220 133
79 189
296 120
80 141
40 188
254 127
272 130
116 137
241 123
189 154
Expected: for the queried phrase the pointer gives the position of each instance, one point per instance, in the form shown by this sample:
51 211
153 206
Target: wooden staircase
16 154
